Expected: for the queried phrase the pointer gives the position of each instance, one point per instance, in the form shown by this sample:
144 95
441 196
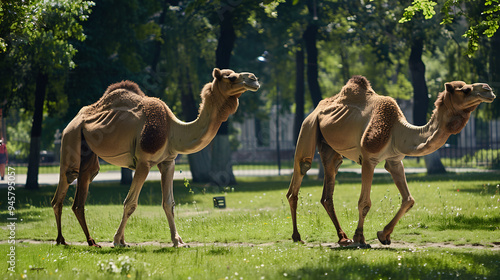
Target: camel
369 128
129 129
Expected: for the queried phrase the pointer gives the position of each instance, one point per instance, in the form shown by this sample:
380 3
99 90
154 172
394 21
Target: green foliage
45 31
168 48
424 6
484 22
19 137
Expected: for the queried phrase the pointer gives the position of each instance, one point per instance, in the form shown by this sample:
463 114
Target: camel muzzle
484 92
250 81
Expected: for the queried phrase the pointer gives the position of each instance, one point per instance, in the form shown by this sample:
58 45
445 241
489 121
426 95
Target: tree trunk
309 37
36 131
346 72
126 177
433 163
421 100
494 79
299 93
222 169
200 165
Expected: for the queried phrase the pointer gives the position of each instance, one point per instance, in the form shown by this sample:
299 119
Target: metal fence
476 146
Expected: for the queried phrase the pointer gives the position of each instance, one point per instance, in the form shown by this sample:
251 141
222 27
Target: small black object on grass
219 202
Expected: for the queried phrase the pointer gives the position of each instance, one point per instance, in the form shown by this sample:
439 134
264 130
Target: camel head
231 83
461 99
468 97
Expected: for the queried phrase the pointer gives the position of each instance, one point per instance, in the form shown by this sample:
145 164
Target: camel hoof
386 241
296 238
93 244
345 242
120 245
182 245
61 241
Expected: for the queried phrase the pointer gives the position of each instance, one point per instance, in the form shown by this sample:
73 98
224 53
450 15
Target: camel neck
191 137
423 140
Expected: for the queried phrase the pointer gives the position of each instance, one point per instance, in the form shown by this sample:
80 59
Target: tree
118 53
310 37
39 46
484 23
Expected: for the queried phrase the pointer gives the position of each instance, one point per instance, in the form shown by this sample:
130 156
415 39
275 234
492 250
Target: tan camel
369 128
128 129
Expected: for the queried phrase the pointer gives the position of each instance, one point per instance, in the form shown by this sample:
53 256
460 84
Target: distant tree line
57 56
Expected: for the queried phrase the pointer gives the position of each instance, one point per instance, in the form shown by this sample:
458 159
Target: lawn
251 239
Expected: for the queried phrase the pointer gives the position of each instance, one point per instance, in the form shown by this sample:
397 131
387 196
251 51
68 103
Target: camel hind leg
304 155
89 167
331 161
69 170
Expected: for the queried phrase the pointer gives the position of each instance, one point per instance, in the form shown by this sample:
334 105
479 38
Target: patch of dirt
494 246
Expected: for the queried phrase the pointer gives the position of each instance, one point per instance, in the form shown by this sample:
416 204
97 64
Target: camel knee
364 206
292 198
168 206
130 208
78 210
56 206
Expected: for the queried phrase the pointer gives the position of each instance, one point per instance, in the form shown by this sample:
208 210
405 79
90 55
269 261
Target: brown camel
128 129
368 128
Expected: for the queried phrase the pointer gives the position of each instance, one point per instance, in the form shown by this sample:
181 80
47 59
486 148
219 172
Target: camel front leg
130 203
331 162
364 203
397 171
167 169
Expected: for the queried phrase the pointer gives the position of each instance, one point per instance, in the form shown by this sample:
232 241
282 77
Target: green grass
456 208
280 261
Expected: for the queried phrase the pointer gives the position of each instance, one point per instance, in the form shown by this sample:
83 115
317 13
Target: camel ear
217 74
449 87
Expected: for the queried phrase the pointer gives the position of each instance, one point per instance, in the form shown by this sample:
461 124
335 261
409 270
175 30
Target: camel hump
358 87
360 81
127 85
155 131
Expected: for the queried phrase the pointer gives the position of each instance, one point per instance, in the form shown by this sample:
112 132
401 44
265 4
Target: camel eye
232 78
466 90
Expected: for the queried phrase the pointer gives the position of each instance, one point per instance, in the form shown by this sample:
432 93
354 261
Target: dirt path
494 246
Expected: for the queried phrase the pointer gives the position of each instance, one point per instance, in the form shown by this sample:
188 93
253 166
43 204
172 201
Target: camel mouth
252 86
487 98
